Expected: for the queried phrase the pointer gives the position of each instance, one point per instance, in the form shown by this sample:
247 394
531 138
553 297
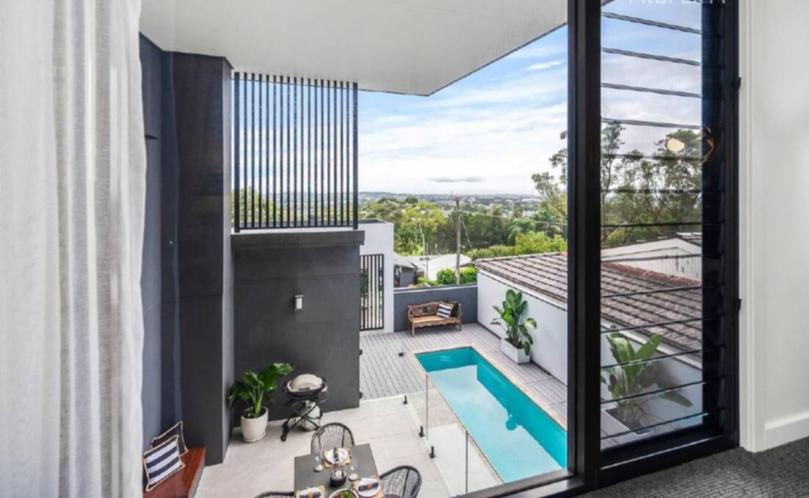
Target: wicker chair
331 436
402 482
276 494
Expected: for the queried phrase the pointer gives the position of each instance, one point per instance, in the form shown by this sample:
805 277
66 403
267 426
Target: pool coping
541 403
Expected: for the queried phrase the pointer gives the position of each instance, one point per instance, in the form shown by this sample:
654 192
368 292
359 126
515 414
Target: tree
538 243
256 202
634 188
469 274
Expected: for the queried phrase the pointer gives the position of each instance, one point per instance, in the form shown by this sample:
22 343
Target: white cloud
541 66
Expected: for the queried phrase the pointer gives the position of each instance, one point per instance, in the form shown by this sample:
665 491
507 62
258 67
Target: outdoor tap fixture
298 302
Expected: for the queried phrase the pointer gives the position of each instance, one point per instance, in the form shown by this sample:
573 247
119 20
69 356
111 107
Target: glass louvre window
662 227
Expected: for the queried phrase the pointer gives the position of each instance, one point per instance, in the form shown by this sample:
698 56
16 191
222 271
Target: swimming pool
519 439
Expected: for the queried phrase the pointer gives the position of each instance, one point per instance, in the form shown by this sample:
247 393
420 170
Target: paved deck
268 465
383 373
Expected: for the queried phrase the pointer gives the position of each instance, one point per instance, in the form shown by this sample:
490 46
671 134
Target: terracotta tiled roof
546 275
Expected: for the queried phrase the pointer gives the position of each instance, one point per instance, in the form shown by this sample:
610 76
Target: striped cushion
161 462
175 430
444 310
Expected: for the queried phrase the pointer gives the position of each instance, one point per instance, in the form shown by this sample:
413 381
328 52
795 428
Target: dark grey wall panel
467 295
228 339
151 392
323 338
199 94
187 277
170 287
201 372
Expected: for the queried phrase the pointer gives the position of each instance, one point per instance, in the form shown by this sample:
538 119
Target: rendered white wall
550 336
689 265
550 347
774 214
379 240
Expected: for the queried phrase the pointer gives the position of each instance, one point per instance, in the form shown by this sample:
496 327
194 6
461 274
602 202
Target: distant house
429 266
679 256
405 271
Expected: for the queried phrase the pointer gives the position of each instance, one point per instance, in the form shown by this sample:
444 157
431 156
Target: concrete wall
464 294
550 336
379 240
774 266
323 338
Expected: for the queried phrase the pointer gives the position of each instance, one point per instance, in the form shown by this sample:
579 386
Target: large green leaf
676 397
254 387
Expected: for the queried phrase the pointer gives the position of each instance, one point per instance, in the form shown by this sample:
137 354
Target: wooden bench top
184 483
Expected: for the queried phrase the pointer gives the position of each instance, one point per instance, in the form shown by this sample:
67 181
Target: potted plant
632 375
517 342
254 390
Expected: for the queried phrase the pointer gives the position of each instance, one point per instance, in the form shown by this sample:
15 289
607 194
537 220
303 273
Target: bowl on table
343 493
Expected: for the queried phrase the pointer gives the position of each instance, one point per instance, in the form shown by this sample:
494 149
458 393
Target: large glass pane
469 170
660 347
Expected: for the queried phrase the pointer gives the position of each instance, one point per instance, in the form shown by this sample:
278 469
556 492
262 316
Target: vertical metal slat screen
294 152
372 291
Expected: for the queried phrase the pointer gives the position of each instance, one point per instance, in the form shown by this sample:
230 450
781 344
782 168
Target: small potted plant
517 342
255 390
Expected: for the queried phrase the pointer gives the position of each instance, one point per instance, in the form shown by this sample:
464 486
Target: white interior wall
774 211
379 240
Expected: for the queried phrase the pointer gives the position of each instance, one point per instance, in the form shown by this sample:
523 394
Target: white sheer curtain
72 171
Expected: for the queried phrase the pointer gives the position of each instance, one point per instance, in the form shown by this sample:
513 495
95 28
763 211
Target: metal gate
372 291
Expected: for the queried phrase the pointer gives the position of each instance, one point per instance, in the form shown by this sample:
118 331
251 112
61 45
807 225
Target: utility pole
458 241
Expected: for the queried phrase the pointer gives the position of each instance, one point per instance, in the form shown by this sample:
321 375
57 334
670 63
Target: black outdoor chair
276 494
401 482
331 436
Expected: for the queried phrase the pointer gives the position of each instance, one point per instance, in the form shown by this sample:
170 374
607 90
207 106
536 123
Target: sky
489 132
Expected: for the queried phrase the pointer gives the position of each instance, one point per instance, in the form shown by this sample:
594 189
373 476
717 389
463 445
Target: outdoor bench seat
426 315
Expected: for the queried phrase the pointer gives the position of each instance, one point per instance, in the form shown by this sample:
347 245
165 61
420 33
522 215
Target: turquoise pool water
518 437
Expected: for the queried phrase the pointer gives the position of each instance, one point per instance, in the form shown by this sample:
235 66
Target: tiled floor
388 425
384 373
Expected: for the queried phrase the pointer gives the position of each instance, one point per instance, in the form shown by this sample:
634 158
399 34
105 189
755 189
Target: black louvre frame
372 292
718 429
295 153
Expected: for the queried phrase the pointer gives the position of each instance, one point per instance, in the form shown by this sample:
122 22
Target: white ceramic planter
612 425
518 356
253 429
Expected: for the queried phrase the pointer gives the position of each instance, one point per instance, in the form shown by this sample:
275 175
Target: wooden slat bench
425 315
184 483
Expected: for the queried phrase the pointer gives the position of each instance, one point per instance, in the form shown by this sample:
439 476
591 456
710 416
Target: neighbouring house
679 256
631 302
405 272
429 266
377 273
